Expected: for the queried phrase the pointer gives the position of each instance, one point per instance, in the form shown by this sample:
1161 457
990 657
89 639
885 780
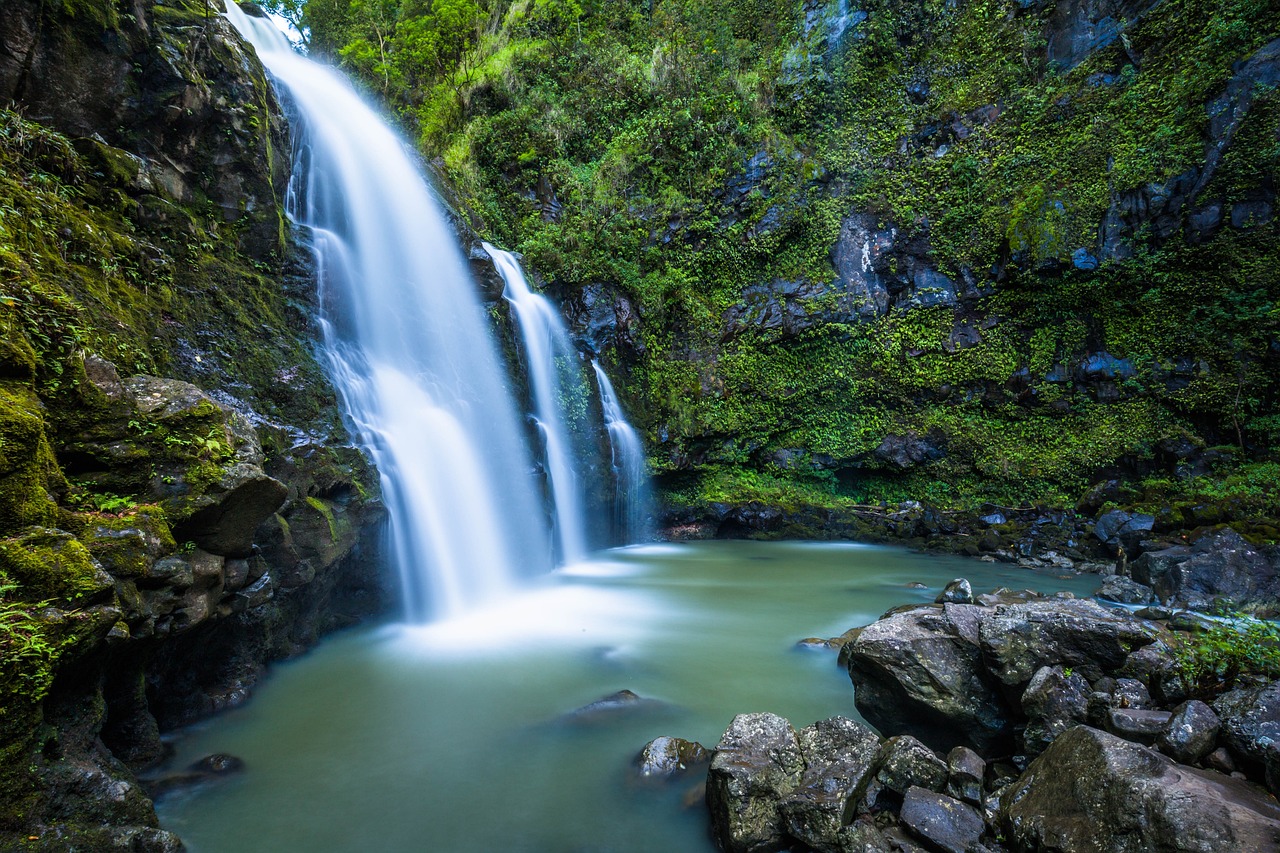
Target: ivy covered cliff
846 253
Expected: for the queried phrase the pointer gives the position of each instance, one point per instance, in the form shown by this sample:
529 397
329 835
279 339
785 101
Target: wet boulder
1218 569
757 763
840 755
1018 639
611 707
1123 530
906 762
1093 791
921 672
1137 725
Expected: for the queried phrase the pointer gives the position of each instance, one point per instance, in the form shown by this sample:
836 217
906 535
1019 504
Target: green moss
325 510
51 564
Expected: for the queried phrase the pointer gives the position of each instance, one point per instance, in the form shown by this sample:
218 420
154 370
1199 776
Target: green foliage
604 141
1212 661
25 648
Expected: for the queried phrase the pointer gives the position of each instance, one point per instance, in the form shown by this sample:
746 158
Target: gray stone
757 763
906 762
1251 729
1192 733
943 823
1091 791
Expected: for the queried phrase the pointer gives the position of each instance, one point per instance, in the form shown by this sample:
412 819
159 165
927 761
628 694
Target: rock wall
180 503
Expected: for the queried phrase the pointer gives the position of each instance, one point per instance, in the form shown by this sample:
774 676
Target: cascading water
407 345
557 382
630 474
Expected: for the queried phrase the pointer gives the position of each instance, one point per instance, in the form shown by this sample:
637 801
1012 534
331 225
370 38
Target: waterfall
407 345
630 474
557 384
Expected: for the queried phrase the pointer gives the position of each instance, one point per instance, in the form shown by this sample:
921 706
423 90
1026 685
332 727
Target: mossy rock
127 545
52 564
29 476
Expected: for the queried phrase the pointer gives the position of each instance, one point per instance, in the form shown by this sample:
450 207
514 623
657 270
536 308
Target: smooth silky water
450 736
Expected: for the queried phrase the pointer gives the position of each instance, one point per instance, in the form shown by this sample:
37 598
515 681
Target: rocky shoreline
1015 721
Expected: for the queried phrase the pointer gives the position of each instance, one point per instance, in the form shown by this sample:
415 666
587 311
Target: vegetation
682 151
1212 661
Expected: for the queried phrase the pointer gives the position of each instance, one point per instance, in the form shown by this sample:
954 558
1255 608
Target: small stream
453 736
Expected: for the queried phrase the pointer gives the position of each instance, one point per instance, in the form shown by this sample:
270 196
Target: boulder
1218 569
943 823
1123 530
665 757
1018 639
920 672
758 762
840 755
1191 733
1091 791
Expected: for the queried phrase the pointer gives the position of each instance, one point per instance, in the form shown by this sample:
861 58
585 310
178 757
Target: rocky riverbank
1014 721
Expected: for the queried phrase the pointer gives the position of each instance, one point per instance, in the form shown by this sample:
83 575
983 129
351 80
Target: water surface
452 736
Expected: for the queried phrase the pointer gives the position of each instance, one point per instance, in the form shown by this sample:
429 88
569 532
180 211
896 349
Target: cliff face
984 251
179 504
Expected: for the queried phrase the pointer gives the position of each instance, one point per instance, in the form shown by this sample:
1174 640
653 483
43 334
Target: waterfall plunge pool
451 737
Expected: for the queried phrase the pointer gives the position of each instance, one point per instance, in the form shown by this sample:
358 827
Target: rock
1053 702
909 450
1124 590
1137 725
906 762
1218 569
665 757
757 763
862 836
1220 760
1130 693
1092 791
965 773
1118 529
1251 729
921 672
1018 639
207 769
959 591
943 823
1191 734
840 755
609 707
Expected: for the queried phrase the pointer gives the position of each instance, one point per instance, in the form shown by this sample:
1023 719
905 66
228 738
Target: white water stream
630 473
408 346
556 381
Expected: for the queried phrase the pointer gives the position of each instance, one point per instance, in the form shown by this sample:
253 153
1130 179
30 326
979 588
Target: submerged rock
608 707
665 757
